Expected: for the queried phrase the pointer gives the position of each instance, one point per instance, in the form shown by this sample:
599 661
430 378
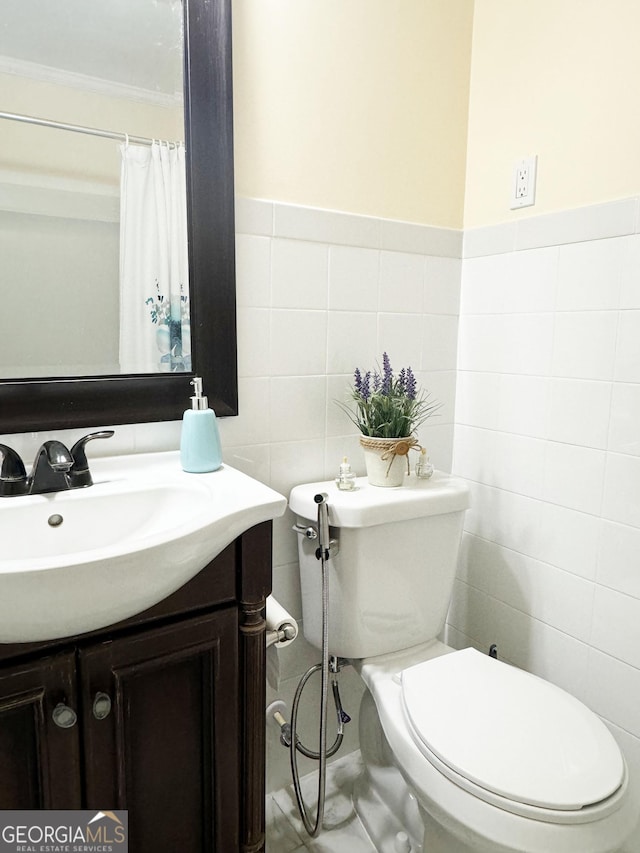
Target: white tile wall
548 432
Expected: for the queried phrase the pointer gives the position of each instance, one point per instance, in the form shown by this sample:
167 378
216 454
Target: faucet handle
13 475
79 475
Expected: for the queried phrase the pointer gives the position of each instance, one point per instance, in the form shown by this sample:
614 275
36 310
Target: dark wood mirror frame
59 403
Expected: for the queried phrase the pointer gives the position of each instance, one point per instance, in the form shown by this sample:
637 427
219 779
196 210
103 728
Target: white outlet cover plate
530 164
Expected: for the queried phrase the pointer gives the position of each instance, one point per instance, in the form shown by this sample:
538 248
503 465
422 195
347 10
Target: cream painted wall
358 106
560 79
31 150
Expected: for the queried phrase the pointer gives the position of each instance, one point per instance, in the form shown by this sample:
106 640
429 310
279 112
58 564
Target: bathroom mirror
51 400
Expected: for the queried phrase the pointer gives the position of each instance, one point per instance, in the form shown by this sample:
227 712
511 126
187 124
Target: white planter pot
386 459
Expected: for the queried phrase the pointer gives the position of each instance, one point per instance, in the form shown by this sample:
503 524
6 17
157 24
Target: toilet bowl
470 754
497 759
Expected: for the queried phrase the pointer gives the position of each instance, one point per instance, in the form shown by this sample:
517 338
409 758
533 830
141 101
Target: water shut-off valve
276 710
275 716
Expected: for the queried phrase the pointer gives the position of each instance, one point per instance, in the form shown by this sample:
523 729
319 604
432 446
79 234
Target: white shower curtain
154 284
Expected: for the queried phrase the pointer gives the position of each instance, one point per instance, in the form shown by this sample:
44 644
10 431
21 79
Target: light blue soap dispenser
200 449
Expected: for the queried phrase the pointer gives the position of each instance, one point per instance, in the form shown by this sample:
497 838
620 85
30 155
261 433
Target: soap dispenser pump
200 450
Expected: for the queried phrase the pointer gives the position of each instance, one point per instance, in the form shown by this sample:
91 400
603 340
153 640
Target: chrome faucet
55 468
53 461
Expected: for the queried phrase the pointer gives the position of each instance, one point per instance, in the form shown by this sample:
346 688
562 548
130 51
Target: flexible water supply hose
341 716
322 554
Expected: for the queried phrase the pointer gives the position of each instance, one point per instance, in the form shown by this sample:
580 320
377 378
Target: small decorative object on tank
346 479
424 468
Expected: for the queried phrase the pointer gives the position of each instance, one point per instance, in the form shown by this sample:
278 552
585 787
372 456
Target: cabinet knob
64 717
101 706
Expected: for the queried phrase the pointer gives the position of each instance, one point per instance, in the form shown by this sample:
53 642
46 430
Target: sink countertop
80 560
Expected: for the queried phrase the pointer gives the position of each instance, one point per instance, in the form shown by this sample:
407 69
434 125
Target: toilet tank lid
369 505
510 732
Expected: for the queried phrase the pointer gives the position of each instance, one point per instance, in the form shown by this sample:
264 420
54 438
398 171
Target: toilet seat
511 738
475 818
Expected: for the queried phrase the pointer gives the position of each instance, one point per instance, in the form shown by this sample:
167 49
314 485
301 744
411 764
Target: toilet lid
509 732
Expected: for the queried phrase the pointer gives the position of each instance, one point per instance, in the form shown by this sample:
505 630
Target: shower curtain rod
77 128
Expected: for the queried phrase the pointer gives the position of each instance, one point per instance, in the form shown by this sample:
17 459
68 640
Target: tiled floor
342 833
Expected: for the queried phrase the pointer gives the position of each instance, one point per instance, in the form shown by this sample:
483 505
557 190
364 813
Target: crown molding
86 83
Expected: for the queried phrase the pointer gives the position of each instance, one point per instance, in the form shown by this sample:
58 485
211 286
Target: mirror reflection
92 224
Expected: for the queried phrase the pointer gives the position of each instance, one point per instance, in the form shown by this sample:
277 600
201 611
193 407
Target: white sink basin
76 561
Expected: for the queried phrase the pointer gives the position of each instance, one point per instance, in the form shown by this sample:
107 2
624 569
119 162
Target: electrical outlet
522 181
523 188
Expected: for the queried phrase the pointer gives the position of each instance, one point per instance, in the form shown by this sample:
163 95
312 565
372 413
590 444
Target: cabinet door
161 733
39 758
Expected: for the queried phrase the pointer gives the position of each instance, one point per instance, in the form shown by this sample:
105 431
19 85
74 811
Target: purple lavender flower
387 374
412 386
388 406
361 384
365 391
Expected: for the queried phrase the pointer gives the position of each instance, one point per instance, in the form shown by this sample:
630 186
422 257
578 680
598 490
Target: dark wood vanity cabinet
39 761
162 715
172 721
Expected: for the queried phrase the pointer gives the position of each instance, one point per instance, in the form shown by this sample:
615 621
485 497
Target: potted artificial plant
388 409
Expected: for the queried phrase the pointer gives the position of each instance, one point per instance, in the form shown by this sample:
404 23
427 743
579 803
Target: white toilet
462 753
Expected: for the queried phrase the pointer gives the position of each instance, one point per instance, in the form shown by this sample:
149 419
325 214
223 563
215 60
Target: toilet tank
392 569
